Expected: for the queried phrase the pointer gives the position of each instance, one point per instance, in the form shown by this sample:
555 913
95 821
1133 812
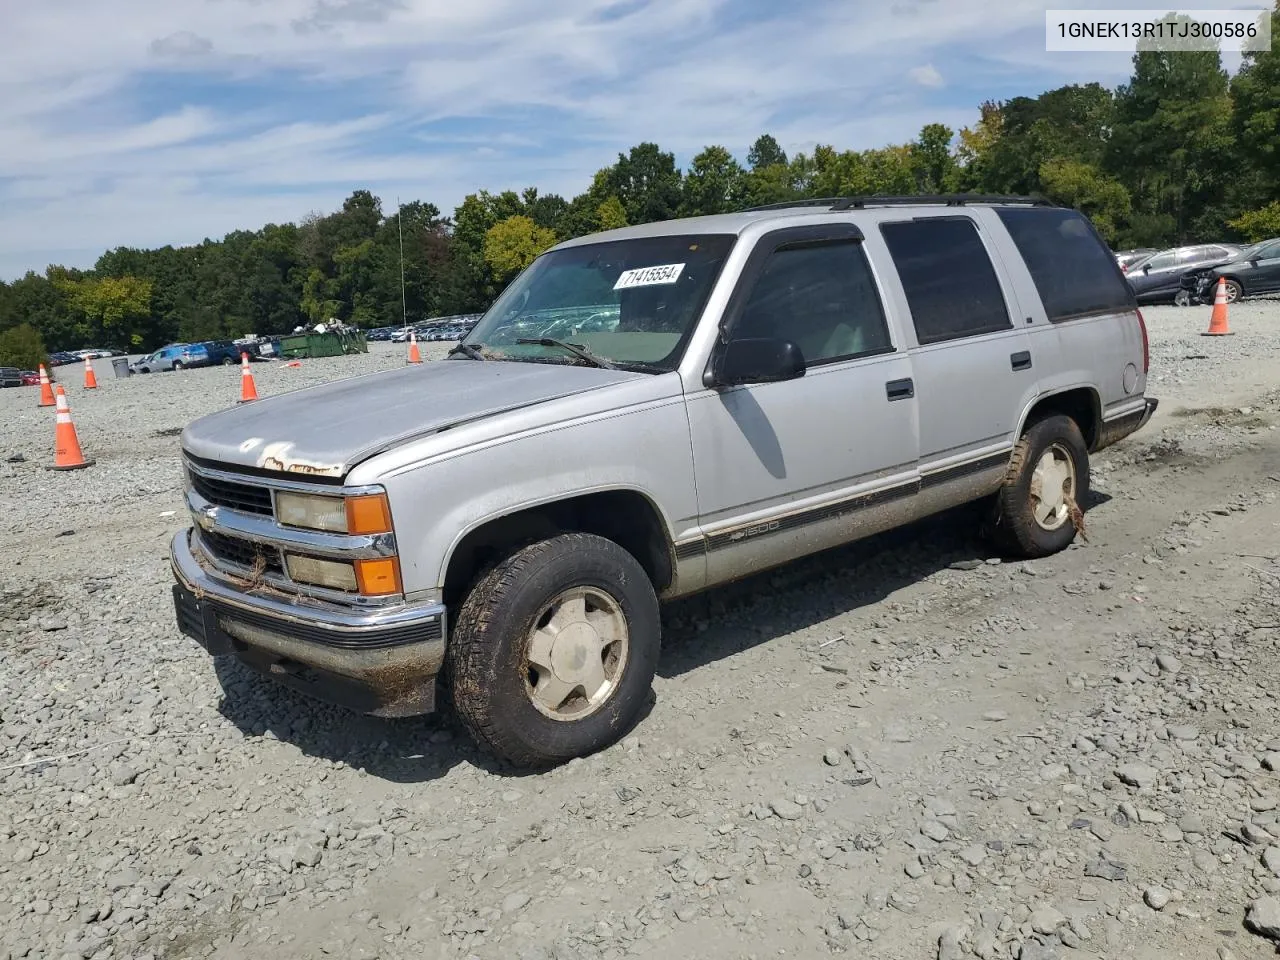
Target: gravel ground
901 749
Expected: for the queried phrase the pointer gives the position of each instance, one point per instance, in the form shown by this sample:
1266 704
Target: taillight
1146 344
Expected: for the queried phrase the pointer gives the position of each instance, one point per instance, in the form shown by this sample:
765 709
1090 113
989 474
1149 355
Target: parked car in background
98 353
61 357
1127 258
1253 272
211 353
1158 278
166 358
10 377
30 378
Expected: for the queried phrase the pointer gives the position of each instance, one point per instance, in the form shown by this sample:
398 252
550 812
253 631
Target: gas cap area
1130 378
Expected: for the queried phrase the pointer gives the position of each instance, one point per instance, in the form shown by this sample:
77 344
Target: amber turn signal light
368 514
378 578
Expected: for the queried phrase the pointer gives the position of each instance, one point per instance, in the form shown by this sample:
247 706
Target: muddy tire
1036 510
553 652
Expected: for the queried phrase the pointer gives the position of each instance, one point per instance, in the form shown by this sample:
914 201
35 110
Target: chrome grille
242 553
245 497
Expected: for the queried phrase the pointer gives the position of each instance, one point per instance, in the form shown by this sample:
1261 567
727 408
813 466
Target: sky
152 122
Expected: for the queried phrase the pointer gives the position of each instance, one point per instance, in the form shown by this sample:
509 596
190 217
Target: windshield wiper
470 350
576 349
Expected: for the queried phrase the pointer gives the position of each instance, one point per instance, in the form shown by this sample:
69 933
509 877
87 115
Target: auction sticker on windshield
649 276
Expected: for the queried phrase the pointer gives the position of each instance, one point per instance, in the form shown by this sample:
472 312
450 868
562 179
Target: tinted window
821 297
1072 270
950 284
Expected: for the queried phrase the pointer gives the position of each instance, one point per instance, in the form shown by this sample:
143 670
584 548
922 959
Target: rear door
971 364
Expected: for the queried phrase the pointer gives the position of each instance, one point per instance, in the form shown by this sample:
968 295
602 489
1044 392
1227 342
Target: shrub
22 347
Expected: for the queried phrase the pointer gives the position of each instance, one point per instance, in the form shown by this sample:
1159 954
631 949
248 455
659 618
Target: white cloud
926 76
145 122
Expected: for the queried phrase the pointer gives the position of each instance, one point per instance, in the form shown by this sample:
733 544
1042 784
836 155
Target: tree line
1179 153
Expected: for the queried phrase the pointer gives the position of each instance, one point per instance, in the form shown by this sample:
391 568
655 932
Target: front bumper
381 661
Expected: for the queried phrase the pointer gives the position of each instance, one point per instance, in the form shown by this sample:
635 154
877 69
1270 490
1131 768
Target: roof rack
935 199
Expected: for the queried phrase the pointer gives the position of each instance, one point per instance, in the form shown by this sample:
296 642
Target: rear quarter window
1074 272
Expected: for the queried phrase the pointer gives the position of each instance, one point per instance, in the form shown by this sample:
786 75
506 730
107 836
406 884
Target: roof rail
935 199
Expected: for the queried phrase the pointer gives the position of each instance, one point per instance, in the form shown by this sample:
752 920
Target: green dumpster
333 344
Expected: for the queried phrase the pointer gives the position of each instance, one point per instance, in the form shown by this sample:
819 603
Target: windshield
630 302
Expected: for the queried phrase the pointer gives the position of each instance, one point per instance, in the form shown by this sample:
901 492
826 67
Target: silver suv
721 395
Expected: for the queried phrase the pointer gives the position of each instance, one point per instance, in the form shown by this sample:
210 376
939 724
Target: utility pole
404 303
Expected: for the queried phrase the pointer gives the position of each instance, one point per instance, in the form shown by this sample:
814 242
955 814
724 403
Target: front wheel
178 365
1038 507
554 650
1234 290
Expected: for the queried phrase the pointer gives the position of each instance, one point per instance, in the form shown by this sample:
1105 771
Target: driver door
787 468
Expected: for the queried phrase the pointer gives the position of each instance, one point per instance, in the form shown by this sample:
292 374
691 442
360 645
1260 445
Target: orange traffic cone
1218 321
90 381
66 445
46 388
414 355
248 391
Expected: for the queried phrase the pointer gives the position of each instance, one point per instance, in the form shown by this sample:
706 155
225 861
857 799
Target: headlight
322 573
367 514
370 578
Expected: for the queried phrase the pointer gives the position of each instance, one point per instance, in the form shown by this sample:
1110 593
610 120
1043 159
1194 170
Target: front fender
436 501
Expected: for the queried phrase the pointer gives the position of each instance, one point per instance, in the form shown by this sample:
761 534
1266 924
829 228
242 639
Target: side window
1162 261
950 283
1074 273
820 296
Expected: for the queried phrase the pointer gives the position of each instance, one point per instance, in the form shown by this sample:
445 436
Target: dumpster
331 344
121 366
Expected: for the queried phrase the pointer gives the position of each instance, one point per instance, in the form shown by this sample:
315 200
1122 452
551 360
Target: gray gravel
1073 757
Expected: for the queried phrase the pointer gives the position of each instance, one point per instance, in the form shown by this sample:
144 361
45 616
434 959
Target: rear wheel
1038 507
179 365
554 650
228 361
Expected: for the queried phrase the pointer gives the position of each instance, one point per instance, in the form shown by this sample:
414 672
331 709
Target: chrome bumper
378 660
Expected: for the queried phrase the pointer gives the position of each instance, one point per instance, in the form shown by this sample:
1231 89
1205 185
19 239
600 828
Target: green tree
932 159
647 182
610 215
1262 224
714 184
1255 94
320 297
1172 134
23 347
765 152
116 307
1080 185
513 244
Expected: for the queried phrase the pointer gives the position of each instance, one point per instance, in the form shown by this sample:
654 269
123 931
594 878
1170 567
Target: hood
328 429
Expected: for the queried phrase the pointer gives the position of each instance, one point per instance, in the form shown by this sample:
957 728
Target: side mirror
1147 268
762 360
